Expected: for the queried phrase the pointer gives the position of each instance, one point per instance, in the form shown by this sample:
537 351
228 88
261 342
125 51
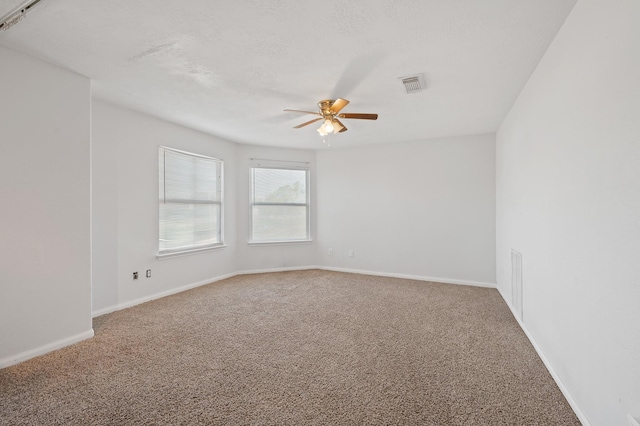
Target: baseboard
411 277
32 353
266 271
565 391
176 290
155 296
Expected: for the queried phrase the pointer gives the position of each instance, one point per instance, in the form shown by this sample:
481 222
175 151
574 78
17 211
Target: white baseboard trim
155 296
410 277
129 304
572 402
266 271
32 353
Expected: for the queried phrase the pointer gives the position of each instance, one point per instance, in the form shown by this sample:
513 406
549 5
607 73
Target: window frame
194 248
297 167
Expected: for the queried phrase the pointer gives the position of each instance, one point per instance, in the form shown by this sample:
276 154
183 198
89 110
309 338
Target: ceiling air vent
413 83
16 15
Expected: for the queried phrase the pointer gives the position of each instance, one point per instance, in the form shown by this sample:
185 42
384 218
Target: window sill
276 242
163 256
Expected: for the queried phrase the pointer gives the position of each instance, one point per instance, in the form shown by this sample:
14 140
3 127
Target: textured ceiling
230 67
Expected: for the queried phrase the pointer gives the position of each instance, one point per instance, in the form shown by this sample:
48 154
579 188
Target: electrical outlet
148 273
135 275
350 253
330 252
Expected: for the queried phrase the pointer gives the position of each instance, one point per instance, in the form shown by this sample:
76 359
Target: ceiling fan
329 112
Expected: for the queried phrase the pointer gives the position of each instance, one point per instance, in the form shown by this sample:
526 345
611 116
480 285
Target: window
190 203
279 204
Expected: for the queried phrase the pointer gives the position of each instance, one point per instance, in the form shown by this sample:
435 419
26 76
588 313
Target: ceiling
230 67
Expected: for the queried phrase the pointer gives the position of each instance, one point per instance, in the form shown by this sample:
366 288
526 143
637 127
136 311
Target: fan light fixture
329 113
327 127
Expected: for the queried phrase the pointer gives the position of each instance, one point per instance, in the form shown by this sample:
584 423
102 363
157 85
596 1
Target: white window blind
190 202
279 204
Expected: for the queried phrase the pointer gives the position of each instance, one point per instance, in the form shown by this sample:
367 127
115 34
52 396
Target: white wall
45 277
259 257
125 210
568 198
125 213
424 209
439 198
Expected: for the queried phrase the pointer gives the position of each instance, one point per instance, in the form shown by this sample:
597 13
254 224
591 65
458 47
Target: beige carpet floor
295 348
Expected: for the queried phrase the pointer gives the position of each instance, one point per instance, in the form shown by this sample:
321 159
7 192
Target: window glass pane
279 222
280 186
190 201
188 225
190 178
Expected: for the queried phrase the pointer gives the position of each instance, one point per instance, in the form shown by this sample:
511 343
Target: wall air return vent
17 14
516 283
413 83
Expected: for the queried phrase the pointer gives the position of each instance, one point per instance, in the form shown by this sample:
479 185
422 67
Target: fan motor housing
325 106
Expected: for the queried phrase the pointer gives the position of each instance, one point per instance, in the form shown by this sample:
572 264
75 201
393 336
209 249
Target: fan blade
304 112
307 123
339 126
338 104
359 115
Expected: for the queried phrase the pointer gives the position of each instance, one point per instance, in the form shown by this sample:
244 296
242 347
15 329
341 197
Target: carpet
295 348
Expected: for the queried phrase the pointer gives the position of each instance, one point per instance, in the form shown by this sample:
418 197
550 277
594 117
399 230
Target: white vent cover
413 83
516 283
16 15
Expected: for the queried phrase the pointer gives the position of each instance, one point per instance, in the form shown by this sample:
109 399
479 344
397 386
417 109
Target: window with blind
190 202
279 204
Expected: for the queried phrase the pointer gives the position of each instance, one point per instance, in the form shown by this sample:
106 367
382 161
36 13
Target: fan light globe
328 126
